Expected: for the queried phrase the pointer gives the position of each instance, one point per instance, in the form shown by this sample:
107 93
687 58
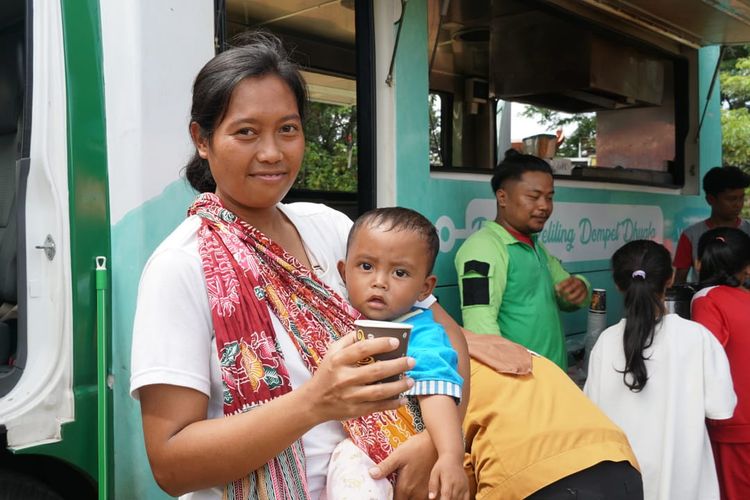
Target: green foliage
735 138
735 84
330 162
735 114
436 130
325 170
584 134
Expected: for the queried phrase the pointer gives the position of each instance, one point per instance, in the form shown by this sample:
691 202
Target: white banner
575 232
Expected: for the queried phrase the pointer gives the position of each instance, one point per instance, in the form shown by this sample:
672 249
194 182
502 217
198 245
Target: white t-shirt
173 339
688 381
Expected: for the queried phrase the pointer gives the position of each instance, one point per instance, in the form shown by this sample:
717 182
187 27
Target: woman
239 309
722 306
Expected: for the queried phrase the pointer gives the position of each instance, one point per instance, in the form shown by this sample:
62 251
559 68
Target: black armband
476 289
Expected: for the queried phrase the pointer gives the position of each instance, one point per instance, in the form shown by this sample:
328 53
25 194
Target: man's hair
400 219
514 165
720 179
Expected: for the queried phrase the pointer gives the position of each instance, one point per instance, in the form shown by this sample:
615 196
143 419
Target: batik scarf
246 274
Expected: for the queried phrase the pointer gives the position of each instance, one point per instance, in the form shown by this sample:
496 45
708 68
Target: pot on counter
541 145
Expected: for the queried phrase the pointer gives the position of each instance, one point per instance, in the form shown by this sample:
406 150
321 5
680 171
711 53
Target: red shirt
523 238
725 311
683 255
686 251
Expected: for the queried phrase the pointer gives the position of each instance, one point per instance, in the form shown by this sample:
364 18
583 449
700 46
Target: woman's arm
187 452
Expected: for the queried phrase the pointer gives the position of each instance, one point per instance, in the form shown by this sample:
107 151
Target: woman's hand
341 389
413 460
188 452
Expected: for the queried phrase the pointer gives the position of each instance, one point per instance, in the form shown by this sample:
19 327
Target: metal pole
102 371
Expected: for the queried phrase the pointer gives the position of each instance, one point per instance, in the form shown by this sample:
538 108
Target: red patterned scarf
246 274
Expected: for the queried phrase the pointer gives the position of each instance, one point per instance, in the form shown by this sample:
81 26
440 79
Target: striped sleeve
435 388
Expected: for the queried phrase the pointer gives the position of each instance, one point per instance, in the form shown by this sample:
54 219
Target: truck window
331 135
598 105
322 40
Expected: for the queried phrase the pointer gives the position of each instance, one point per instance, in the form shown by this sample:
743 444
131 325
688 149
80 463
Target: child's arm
447 479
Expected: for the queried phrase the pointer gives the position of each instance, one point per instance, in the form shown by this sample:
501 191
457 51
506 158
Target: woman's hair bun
512 153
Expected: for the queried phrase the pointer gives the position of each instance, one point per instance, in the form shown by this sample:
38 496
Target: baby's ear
428 286
341 266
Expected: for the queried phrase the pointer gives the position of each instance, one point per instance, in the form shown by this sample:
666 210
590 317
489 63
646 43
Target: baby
388 268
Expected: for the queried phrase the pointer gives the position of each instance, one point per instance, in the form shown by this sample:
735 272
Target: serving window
597 104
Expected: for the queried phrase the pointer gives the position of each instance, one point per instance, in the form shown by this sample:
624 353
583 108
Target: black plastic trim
366 105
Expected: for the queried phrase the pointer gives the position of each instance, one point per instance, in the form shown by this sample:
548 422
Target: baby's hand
448 480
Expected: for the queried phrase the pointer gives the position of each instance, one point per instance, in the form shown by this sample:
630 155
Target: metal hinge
49 247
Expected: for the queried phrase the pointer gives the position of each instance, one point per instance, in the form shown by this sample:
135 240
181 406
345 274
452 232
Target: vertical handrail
389 77
710 91
102 286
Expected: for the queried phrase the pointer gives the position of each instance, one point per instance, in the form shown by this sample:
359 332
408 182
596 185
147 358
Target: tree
436 129
330 162
735 101
735 113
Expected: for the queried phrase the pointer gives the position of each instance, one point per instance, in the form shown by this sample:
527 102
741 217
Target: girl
658 376
722 306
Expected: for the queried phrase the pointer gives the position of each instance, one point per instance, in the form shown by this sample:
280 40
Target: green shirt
508 288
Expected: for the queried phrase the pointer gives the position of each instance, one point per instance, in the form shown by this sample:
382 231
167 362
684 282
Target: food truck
418 100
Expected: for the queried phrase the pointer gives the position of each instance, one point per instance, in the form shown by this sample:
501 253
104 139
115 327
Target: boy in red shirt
725 193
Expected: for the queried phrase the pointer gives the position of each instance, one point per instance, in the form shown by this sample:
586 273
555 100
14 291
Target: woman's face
256 151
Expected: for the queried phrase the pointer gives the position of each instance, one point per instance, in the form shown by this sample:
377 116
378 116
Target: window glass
331 149
437 144
598 106
330 162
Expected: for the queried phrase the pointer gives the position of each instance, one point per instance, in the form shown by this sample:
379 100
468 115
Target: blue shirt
436 370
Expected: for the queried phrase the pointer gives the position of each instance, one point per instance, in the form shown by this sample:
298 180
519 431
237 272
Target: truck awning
694 23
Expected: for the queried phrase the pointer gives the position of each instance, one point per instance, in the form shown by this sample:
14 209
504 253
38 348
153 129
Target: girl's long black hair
642 269
723 253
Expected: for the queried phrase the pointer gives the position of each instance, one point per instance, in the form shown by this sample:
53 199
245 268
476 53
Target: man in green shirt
509 284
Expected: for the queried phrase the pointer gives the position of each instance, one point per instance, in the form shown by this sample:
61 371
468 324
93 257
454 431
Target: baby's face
386 272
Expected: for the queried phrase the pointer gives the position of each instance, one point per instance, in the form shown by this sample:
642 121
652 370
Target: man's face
727 205
526 204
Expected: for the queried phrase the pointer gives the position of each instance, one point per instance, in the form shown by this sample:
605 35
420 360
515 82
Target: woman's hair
641 270
253 54
723 252
514 165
